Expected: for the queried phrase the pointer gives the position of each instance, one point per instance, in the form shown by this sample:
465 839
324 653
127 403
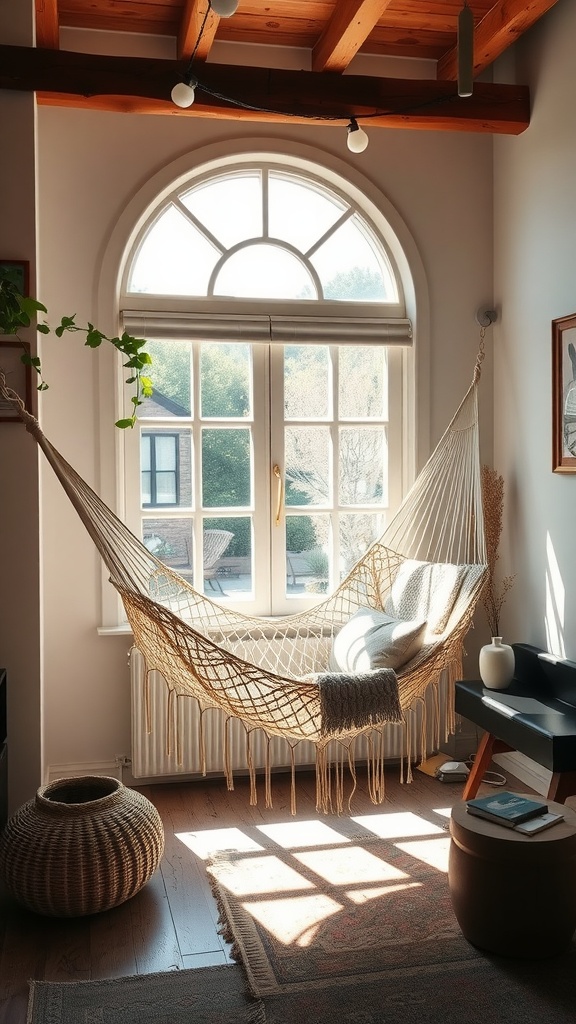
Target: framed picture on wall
18 378
19 273
564 394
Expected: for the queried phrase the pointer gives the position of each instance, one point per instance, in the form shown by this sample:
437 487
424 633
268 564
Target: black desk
535 715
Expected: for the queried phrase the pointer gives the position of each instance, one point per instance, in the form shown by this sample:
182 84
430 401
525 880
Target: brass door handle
278 475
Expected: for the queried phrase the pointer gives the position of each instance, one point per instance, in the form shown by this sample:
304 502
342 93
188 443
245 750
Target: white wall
535 257
20 611
90 166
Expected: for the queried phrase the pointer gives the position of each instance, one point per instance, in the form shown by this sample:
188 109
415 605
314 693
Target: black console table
535 715
3 751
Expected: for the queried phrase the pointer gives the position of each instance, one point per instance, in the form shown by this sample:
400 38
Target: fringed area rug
208 995
358 928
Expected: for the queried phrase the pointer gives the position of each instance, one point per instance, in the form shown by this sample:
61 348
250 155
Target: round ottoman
513 894
81 846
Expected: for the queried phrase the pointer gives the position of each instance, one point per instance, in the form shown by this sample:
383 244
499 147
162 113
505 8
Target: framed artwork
18 377
19 271
564 394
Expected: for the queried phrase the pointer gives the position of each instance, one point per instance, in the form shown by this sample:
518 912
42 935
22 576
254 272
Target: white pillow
372 639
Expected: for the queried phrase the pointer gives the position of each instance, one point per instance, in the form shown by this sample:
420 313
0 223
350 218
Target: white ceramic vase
496 664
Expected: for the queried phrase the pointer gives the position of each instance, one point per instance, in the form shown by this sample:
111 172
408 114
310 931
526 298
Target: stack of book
513 811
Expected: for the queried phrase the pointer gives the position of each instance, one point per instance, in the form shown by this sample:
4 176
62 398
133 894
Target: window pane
363 459
173 259
307 559
165 448
307 453
300 212
225 380
306 379
357 533
213 203
171 541
171 374
264 272
226 467
363 383
146 488
166 477
349 267
228 566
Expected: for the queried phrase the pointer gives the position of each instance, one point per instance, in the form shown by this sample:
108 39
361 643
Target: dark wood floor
173 922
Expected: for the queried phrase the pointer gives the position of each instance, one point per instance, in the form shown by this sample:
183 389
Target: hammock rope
268 672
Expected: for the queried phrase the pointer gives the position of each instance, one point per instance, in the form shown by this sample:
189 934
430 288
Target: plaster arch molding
215 156
344 176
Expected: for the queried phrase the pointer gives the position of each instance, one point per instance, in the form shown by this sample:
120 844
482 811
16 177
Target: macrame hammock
429 566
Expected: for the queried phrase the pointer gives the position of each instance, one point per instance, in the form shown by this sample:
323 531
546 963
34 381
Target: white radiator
151 756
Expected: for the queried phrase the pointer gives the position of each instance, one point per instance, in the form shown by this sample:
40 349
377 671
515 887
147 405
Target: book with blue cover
506 808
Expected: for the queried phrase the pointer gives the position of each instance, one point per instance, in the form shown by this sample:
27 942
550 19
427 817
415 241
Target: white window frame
411 397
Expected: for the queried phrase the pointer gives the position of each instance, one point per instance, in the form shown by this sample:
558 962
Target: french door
262 472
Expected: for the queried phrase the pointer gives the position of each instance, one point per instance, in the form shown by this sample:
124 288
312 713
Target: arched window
270 454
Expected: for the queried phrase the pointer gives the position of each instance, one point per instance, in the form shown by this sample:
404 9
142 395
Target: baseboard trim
528 771
71 771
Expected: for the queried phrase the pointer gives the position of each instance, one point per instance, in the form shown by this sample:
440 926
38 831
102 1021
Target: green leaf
30 306
42 328
124 424
94 338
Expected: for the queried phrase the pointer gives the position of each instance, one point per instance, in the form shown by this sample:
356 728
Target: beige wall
535 257
91 166
20 611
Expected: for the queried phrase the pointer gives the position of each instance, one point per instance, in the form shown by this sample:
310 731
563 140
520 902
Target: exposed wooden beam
47 28
197 17
349 27
139 84
504 23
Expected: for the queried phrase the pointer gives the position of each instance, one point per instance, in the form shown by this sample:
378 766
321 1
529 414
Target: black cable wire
190 76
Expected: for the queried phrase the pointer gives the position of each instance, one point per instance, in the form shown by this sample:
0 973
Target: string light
184 92
465 51
224 8
357 139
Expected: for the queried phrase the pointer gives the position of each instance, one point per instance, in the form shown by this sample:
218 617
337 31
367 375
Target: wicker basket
81 846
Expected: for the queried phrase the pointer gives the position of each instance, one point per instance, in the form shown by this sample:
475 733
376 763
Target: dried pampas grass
494 595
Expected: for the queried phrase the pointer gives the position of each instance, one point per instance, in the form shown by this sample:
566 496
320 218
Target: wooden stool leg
489 745
562 785
481 762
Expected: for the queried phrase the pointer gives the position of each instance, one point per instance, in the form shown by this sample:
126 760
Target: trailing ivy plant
18 312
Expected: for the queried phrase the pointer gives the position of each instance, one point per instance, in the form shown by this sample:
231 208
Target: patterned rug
208 995
351 922
330 903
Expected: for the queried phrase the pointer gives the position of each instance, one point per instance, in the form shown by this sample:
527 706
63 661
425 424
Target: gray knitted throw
350 702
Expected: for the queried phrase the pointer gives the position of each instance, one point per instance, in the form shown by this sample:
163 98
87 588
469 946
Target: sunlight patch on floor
348 865
214 840
295 919
360 896
433 852
398 824
267 874
303 833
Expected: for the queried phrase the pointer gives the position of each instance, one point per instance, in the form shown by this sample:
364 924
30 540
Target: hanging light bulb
357 139
465 51
224 8
183 92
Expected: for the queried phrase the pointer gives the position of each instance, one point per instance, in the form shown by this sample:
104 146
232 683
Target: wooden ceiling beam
504 23
47 27
197 17
348 28
143 85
